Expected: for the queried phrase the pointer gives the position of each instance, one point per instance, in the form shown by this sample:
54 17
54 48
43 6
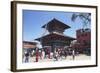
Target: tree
85 17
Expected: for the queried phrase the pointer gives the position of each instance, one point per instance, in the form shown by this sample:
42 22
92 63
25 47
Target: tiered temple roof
56 35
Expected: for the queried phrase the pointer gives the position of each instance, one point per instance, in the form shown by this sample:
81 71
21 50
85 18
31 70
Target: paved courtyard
78 57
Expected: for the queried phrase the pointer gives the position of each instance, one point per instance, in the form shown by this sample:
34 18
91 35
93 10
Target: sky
33 21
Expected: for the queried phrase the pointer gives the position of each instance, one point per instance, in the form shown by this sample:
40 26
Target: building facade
83 41
56 37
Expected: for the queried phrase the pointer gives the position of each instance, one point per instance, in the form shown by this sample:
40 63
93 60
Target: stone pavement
78 57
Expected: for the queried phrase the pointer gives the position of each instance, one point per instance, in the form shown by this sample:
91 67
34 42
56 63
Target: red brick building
83 42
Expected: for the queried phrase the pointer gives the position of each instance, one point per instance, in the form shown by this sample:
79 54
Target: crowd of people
46 53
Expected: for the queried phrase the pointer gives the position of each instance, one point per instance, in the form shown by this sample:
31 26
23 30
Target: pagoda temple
56 37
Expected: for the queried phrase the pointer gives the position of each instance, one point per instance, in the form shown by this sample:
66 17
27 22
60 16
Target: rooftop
54 22
29 42
57 36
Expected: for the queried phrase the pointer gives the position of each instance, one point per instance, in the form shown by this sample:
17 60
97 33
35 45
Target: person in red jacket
48 53
37 54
